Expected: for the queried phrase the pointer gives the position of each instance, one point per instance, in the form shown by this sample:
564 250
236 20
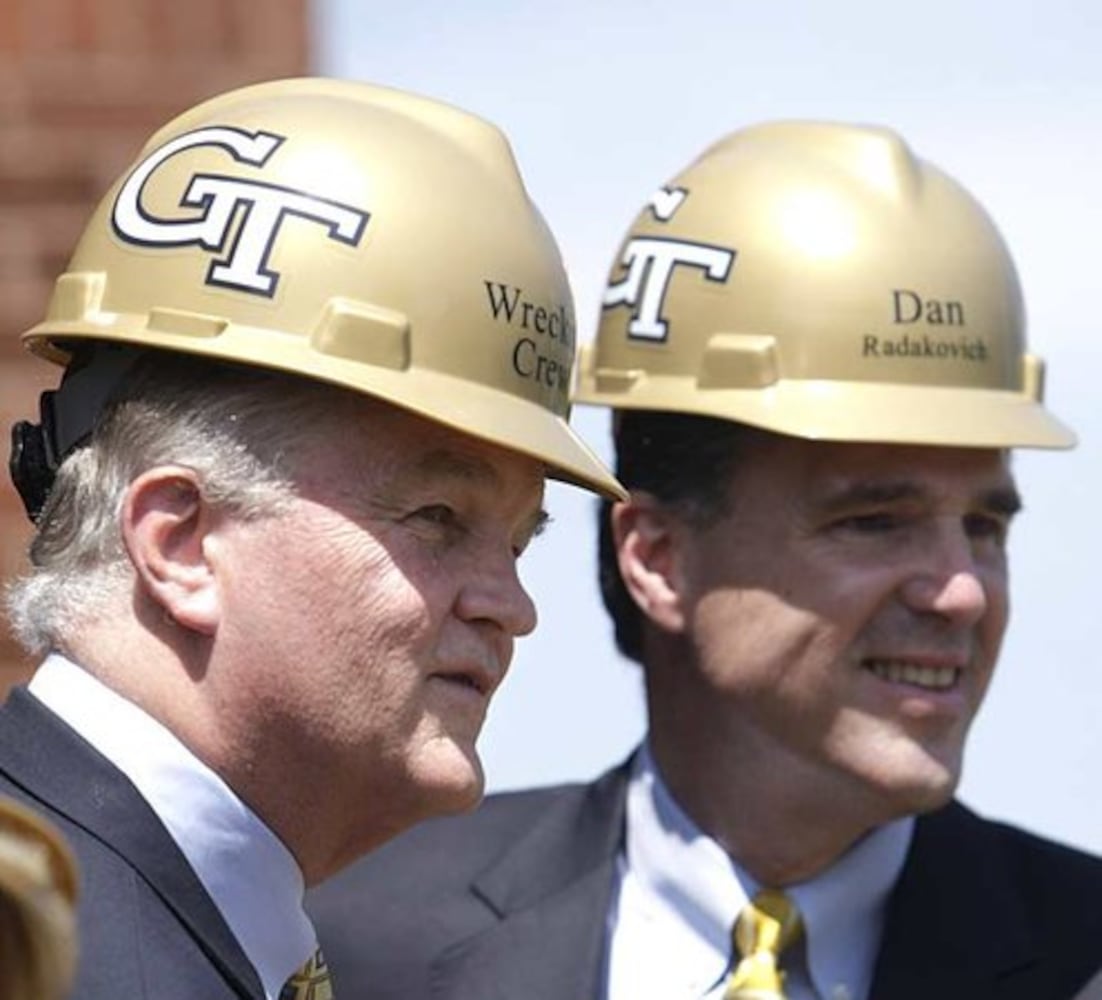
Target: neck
783 818
779 838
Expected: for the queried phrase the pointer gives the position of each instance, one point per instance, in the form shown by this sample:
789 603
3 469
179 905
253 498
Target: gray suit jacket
511 903
148 929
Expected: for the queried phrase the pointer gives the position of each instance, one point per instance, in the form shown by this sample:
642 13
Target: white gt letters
650 261
252 211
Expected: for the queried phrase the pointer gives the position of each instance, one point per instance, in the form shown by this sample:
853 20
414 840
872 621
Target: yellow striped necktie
766 926
311 982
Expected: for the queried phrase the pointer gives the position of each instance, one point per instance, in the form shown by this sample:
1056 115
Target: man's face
377 616
848 610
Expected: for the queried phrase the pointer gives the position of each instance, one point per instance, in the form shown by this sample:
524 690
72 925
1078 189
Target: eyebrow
537 523
1003 500
446 464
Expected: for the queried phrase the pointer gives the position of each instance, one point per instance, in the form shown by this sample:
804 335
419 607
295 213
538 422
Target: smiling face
844 616
371 621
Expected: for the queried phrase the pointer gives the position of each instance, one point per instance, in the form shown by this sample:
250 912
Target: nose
495 594
949 581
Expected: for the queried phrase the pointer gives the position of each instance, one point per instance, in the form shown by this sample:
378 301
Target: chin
926 798
452 781
924 788
904 778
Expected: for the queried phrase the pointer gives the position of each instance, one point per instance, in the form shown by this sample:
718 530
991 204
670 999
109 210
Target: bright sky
606 99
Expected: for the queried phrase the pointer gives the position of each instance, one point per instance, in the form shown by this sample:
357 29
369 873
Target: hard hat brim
960 417
490 415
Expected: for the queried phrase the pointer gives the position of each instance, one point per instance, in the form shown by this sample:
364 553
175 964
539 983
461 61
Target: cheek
359 669
750 639
997 588
375 620
993 628
322 591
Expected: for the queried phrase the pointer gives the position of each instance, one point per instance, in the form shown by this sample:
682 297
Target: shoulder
387 918
1037 900
131 939
1038 864
445 853
1092 991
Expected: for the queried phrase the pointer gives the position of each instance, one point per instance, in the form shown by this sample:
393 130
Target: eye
439 517
438 522
437 513
537 528
983 525
439 526
876 522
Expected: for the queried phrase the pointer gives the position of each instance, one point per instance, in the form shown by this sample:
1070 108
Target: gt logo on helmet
239 219
650 261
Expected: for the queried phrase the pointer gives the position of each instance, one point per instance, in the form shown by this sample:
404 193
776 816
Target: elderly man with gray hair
279 498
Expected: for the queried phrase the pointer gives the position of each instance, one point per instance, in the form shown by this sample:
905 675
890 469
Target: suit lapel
954 926
58 768
551 895
1092 991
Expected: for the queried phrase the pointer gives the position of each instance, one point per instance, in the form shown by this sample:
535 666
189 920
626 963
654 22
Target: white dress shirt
248 872
678 893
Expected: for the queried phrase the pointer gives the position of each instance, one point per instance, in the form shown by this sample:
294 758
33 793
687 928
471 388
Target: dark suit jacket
511 903
1093 990
148 929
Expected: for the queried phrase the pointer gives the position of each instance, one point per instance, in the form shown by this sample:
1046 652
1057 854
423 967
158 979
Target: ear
165 526
646 535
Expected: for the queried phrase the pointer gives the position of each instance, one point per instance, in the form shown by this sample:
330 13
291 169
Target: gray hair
239 428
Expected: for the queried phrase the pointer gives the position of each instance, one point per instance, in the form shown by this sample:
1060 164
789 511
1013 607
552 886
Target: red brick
122 28
20 384
195 27
82 85
82 25
11 28
47 25
13 90
270 39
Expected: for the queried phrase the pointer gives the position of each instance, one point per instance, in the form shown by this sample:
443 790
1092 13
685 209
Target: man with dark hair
813 343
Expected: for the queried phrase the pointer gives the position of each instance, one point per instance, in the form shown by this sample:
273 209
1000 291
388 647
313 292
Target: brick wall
82 84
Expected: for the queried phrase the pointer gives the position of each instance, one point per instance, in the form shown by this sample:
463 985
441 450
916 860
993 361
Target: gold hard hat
819 280
344 232
42 851
38 891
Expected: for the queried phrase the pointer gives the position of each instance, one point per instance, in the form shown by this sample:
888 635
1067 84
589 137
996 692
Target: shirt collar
246 869
842 907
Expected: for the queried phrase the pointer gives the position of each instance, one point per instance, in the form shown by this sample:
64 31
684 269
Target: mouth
467 681
915 675
475 680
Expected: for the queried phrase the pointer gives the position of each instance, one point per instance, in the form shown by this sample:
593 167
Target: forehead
378 444
817 470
